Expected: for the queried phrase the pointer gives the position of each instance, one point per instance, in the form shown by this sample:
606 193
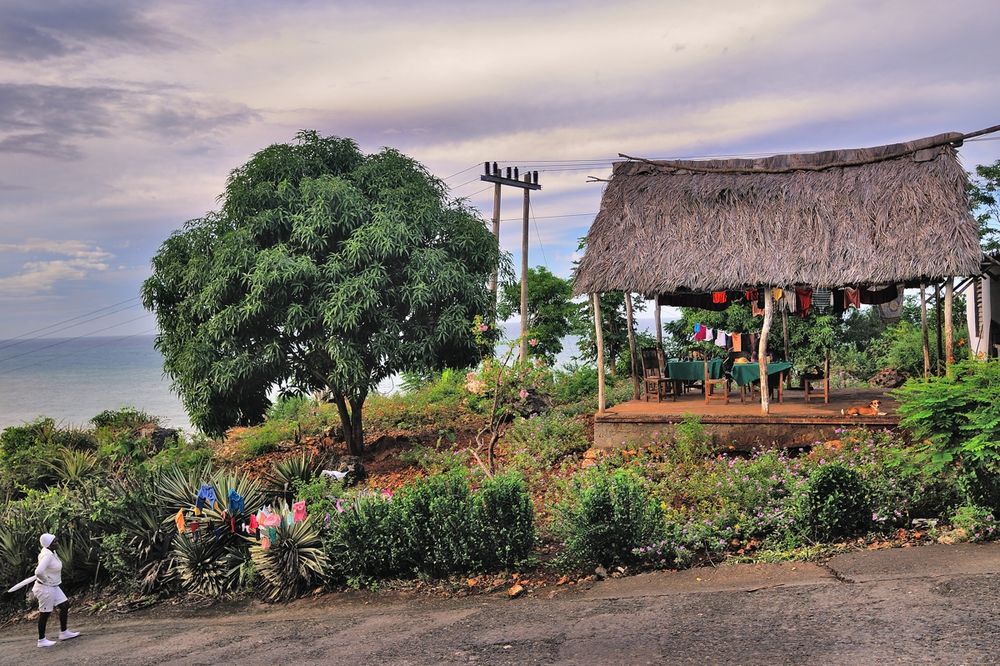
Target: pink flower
340 506
533 342
387 494
523 394
483 328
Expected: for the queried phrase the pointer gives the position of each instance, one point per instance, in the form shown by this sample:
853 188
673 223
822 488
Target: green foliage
124 418
366 542
288 408
290 473
293 563
956 418
204 565
691 440
983 188
615 329
437 521
836 503
608 517
542 441
73 467
324 270
503 515
978 522
551 312
574 383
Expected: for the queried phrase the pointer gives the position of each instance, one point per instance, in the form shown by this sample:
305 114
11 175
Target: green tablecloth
744 373
693 371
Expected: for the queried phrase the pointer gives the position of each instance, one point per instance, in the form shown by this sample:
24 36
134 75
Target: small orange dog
871 409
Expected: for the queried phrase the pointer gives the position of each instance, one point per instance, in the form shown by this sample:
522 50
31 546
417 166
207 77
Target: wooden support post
658 324
599 335
631 346
949 325
524 276
762 349
940 337
925 332
496 234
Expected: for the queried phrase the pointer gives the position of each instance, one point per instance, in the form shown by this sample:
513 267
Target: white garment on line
720 338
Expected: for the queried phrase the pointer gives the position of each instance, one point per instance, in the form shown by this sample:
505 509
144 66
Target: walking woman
48 578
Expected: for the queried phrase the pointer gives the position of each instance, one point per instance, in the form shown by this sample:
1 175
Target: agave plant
74 466
282 479
295 561
205 566
177 488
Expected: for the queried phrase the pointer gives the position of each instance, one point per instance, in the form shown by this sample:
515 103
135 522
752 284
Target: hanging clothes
179 521
852 298
737 342
755 309
700 332
805 300
822 299
718 297
879 295
206 497
299 509
720 339
777 293
253 523
236 503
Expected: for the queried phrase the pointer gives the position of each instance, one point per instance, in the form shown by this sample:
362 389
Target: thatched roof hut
888 214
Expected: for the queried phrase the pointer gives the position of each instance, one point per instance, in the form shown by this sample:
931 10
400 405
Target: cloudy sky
119 121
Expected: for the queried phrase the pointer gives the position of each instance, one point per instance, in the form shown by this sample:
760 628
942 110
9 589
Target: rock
156 435
515 591
383 442
354 468
335 433
601 573
888 378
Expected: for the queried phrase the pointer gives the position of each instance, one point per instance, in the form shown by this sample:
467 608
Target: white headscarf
47 539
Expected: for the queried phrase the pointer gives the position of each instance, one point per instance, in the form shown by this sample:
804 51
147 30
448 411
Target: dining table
692 371
746 373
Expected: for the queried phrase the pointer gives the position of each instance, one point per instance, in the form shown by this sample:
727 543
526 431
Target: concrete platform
790 423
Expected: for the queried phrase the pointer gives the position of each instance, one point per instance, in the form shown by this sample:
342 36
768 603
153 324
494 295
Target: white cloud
76 260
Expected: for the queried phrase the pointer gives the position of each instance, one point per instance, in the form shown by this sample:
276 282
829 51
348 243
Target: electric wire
6 371
10 342
67 340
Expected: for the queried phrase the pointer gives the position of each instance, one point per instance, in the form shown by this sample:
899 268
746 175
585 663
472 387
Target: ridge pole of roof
595 299
630 320
949 326
924 332
762 349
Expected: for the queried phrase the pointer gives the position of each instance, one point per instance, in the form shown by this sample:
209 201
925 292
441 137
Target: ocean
72 380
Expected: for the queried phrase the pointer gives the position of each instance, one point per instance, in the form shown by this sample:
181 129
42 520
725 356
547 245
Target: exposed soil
930 604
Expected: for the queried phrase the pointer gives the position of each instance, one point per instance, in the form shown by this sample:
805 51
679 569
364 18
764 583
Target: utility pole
530 182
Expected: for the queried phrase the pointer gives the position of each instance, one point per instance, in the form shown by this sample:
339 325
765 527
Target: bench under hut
889 215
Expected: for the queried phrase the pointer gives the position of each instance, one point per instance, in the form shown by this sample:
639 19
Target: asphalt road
934 604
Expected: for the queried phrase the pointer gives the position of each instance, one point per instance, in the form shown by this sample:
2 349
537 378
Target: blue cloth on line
206 496
236 504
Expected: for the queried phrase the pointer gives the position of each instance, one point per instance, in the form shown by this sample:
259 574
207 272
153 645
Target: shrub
544 440
504 516
288 408
608 517
293 563
73 467
204 565
574 383
291 472
977 521
956 418
366 542
836 503
437 522
691 440
124 418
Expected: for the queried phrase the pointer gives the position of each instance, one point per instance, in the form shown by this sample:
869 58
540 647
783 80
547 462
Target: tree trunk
350 419
762 349
924 332
949 326
633 362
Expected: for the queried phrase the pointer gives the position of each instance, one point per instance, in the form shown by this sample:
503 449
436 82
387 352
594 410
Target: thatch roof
888 214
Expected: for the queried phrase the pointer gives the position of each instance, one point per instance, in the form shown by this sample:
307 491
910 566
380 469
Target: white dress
49 578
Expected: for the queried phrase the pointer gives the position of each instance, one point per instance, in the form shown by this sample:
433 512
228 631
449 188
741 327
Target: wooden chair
722 383
653 380
810 379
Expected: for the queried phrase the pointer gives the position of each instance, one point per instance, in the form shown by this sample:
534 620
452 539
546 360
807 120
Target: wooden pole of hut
940 337
631 346
924 331
784 334
595 299
762 349
658 324
949 325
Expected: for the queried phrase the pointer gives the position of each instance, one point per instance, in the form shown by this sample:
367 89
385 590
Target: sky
119 121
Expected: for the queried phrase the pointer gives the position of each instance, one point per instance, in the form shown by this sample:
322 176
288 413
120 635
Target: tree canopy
324 270
551 312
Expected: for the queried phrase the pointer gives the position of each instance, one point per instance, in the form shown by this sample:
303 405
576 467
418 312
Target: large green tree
984 190
614 329
324 270
551 312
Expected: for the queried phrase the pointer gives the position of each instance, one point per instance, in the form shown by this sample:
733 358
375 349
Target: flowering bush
836 503
978 522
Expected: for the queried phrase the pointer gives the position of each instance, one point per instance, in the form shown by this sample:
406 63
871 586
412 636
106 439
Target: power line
66 340
458 173
537 236
66 321
22 340
75 352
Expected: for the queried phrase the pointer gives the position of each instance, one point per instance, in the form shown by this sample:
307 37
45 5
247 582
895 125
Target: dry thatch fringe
900 216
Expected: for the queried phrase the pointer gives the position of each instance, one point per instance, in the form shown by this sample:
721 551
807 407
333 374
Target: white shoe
66 635
44 642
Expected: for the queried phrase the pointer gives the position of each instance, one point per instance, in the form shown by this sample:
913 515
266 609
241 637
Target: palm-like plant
296 560
204 565
73 466
282 479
